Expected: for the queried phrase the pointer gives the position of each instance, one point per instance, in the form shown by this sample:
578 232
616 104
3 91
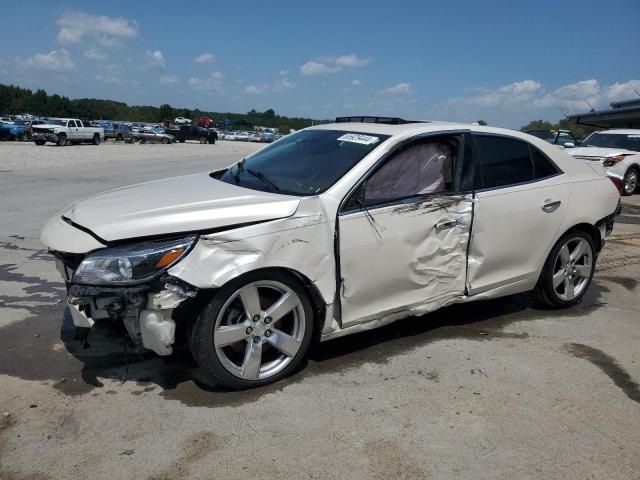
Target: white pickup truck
66 131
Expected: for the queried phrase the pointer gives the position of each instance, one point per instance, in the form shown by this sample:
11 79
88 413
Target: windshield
52 121
304 163
614 140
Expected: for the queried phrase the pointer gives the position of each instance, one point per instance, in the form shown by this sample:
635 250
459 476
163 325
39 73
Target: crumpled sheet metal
434 263
302 242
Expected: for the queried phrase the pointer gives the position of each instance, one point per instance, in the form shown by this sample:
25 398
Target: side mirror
569 145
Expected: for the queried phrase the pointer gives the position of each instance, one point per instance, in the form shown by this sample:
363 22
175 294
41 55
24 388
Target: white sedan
329 231
619 153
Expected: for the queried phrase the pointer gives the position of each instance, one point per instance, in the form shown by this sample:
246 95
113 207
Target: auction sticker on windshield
358 138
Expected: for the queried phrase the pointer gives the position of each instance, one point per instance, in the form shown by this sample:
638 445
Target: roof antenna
592 109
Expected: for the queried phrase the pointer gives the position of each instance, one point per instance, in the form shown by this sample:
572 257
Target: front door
403 234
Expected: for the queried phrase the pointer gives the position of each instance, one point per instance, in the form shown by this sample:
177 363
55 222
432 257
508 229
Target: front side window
304 163
71 123
416 170
504 161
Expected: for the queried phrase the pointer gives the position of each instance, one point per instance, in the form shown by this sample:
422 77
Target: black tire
62 141
201 334
630 181
40 142
212 140
182 140
544 294
119 137
96 140
142 141
165 141
203 140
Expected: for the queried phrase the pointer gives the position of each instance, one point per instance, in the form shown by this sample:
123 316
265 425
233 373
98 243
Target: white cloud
168 79
255 89
205 58
284 84
326 65
94 54
54 61
284 73
352 61
154 58
623 91
209 85
356 82
399 89
111 74
318 68
76 25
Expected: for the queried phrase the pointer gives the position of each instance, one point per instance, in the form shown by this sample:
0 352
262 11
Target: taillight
618 182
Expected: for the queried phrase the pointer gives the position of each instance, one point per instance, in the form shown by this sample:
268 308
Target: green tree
165 112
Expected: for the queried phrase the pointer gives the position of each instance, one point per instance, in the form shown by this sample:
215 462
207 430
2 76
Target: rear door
403 233
521 201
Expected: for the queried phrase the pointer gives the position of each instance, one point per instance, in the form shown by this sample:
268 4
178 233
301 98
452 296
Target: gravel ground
494 390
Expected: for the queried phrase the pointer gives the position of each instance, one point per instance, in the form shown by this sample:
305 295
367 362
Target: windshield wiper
272 186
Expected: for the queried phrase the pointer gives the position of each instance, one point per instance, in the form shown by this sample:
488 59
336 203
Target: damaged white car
332 230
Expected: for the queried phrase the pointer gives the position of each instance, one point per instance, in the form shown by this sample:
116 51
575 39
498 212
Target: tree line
15 100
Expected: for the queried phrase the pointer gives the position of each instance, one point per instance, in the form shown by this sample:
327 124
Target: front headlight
131 264
611 161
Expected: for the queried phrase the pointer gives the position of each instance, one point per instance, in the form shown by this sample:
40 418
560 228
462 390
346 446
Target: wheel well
205 295
593 232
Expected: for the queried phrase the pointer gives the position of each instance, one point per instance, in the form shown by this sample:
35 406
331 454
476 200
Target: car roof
409 129
622 131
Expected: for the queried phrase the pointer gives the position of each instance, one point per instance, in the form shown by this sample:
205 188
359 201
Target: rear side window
542 166
504 161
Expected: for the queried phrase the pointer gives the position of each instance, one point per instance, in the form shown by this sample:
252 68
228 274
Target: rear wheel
568 271
96 140
118 137
255 331
630 181
165 141
203 140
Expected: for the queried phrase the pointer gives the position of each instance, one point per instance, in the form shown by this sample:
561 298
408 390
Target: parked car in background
229 135
206 122
193 132
6 120
336 229
242 137
118 131
5 132
66 131
618 151
564 138
151 136
255 137
181 121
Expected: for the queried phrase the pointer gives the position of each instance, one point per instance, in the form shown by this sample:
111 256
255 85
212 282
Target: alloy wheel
259 330
631 182
572 268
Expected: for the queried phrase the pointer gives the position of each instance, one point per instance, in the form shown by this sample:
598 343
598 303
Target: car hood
598 152
179 204
47 125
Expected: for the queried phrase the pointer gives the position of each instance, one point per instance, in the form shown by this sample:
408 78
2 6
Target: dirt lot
490 390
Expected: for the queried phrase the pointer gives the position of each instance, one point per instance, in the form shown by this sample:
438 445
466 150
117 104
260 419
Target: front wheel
62 141
165 141
212 141
630 181
568 271
255 331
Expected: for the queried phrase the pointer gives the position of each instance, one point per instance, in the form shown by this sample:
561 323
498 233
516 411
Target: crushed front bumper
146 310
44 137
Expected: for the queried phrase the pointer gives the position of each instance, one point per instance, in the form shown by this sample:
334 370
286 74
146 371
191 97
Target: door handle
550 205
445 225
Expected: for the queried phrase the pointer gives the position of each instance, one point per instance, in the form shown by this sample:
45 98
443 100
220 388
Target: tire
118 138
165 141
142 141
203 140
182 140
62 141
630 181
40 142
212 141
251 357
96 140
567 273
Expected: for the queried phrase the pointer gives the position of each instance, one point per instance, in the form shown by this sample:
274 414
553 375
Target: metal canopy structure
624 114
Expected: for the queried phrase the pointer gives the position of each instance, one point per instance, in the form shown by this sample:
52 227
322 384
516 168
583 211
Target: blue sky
505 62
